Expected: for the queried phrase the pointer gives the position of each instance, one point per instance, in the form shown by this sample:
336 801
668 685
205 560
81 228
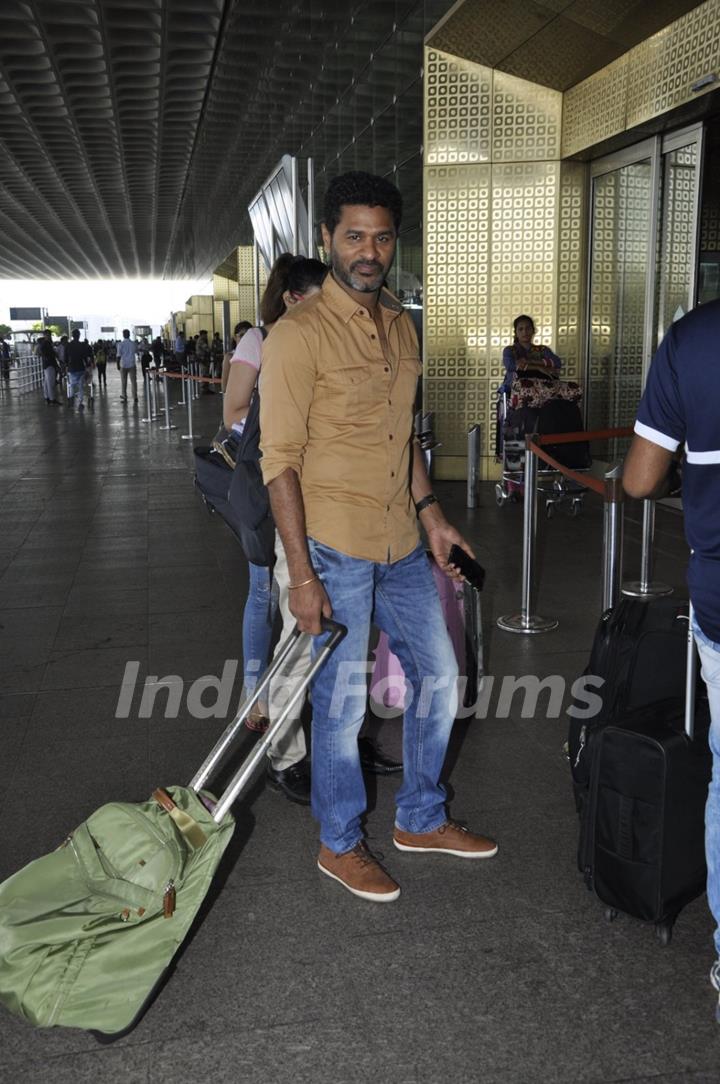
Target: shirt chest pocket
349 386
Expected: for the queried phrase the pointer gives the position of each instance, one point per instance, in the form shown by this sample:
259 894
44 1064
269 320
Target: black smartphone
469 569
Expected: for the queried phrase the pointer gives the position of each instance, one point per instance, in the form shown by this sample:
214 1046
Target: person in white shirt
126 364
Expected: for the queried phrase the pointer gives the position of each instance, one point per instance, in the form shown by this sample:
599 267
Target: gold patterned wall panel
491 248
676 235
571 257
246 297
526 122
524 250
457 244
647 81
458 404
710 226
245 264
220 287
595 109
457 110
485 31
456 294
622 209
663 68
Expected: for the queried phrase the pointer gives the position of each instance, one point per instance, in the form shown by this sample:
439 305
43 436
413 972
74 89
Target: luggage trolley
512 426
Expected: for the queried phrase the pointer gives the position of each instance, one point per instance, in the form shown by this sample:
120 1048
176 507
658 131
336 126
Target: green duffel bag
87 931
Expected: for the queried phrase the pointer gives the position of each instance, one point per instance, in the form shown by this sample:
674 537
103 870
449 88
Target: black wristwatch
425 503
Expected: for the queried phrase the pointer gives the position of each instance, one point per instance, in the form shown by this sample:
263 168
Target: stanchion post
154 412
167 425
646 587
473 454
148 407
189 398
613 509
526 621
181 400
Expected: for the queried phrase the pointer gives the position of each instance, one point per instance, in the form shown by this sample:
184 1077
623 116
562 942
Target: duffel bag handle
337 632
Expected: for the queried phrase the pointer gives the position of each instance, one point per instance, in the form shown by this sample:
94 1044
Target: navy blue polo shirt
681 403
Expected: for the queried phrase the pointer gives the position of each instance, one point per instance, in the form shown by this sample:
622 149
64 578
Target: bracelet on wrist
294 586
425 503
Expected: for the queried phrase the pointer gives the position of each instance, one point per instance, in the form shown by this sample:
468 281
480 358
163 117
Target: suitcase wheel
663 932
610 914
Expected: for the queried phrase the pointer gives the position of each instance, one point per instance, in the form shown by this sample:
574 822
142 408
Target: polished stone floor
495 972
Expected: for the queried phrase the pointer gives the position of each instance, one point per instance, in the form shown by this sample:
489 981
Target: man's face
362 246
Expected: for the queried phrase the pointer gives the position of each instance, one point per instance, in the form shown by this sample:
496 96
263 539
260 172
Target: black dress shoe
372 758
294 781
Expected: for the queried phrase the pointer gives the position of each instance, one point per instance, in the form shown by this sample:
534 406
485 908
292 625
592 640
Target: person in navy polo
681 405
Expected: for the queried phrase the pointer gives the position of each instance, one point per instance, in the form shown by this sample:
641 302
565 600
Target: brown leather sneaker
360 872
449 838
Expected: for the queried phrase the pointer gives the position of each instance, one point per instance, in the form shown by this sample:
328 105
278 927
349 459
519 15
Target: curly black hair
357 187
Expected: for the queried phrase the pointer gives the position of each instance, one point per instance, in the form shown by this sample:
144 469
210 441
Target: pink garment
388 667
249 349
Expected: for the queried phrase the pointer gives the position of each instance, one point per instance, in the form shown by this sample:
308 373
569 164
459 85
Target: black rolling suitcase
643 845
639 652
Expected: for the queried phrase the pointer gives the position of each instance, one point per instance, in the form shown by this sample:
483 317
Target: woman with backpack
291 280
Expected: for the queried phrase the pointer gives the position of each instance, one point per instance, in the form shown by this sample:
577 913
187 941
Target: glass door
622 210
678 228
642 258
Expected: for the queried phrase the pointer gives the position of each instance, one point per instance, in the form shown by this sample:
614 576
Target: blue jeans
258 617
402 600
710 658
77 385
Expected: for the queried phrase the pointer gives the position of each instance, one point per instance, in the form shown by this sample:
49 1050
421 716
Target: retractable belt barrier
609 488
189 394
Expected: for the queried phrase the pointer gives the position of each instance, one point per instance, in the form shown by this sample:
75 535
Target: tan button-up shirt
339 411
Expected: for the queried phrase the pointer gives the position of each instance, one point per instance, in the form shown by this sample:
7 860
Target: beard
358 282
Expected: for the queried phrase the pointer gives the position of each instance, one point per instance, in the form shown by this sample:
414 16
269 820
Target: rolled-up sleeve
287 385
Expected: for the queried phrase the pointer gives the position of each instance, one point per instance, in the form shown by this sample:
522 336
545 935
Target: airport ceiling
133 133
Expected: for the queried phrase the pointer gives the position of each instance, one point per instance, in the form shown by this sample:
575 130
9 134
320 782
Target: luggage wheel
500 495
610 914
663 932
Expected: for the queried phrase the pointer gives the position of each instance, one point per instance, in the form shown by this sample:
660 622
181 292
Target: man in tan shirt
347 484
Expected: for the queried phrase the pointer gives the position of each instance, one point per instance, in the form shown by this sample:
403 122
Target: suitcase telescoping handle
247 769
690 677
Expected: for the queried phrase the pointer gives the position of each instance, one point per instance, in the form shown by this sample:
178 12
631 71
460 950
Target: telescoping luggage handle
690 677
249 766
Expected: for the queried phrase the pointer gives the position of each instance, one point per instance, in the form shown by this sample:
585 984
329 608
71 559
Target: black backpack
248 495
240 495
